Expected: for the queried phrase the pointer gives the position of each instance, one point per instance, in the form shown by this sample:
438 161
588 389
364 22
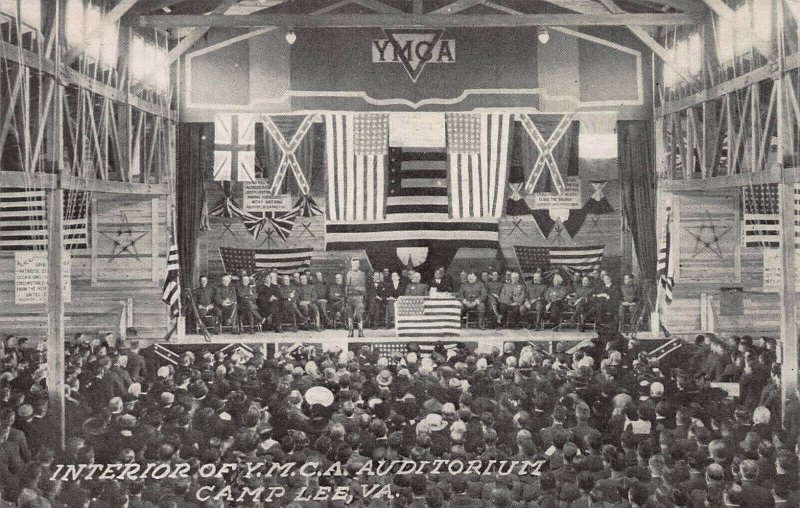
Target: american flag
477 145
171 293
23 219
665 268
286 261
761 225
570 259
422 316
357 145
235 148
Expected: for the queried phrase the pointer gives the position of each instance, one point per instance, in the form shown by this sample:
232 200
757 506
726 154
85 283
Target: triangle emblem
414 47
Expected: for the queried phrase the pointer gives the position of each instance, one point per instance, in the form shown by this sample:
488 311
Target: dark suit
246 298
136 366
11 469
756 496
226 294
443 285
267 306
391 293
203 297
376 305
99 392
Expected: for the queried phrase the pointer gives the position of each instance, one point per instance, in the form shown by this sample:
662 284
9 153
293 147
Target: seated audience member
605 301
269 300
392 290
225 299
290 312
376 304
336 297
415 287
246 298
307 301
630 298
493 288
204 299
511 299
535 302
322 296
440 282
581 298
473 297
556 297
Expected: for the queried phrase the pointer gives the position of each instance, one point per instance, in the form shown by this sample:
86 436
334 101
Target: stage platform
384 336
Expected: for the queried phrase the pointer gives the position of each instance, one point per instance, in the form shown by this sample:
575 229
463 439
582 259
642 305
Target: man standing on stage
375 301
355 287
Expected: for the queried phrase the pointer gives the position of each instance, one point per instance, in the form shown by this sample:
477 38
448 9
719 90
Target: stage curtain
194 160
636 161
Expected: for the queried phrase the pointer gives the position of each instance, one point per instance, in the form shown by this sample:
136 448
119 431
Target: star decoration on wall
124 242
707 236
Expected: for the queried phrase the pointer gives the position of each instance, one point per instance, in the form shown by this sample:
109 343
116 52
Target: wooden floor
340 336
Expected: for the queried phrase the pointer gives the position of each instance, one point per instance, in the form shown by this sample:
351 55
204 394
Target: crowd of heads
607 423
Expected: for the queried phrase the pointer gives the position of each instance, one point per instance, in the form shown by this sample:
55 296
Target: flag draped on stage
171 293
665 268
427 316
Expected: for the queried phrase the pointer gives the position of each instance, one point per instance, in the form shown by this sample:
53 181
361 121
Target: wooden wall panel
708 232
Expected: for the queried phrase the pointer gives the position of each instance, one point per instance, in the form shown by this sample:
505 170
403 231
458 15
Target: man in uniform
307 296
246 296
493 288
473 296
322 296
581 299
225 300
336 298
511 299
415 287
204 299
534 299
355 288
630 298
556 296
289 307
269 300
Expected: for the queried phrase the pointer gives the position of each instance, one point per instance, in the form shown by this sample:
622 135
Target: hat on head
167 398
319 395
163 371
25 411
115 405
384 378
127 421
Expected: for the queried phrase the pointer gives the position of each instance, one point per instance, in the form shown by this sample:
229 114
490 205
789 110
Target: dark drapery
193 164
637 173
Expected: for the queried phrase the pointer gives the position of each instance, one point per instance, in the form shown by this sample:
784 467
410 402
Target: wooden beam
154 5
55 309
457 6
720 8
406 20
198 33
773 175
48 181
788 294
114 15
377 6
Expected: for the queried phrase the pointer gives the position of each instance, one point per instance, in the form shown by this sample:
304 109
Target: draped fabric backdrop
195 145
637 174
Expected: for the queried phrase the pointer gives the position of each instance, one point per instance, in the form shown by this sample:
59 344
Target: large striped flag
23 219
477 145
425 316
286 261
665 270
171 293
572 260
761 220
235 147
357 146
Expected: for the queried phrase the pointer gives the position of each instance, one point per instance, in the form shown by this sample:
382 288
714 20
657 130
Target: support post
788 294
55 310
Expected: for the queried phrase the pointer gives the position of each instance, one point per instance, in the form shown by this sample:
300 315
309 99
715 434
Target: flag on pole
417 316
171 294
477 147
234 148
665 270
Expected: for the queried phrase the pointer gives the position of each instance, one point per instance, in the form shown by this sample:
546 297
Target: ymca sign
414 49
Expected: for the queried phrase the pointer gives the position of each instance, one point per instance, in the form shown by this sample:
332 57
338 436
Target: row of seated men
309 301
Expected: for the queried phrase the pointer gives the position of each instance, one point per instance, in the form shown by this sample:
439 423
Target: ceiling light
542 34
291 37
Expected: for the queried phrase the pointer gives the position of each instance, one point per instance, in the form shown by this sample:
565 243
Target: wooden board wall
105 275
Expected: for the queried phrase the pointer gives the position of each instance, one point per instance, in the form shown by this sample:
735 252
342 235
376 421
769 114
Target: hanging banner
417 130
257 197
30 277
569 199
773 270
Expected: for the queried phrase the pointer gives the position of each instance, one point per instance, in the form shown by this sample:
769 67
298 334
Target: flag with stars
477 147
285 261
761 224
569 260
424 316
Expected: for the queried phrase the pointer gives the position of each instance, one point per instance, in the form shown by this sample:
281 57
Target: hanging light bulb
291 37
542 34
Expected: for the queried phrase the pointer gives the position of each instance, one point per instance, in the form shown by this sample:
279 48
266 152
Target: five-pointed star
124 241
707 236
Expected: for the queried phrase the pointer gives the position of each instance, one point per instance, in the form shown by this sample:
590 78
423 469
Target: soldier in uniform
355 287
204 299
375 302
630 298
534 299
307 296
556 296
415 287
225 299
246 296
336 299
473 296
269 300
511 299
493 288
322 296
289 308
581 299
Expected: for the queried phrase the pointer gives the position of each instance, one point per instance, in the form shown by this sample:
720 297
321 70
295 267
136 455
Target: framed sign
256 197
30 277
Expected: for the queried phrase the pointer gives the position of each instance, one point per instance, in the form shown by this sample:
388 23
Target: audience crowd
609 425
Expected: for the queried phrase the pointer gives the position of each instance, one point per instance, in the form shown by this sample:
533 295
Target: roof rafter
114 15
196 34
